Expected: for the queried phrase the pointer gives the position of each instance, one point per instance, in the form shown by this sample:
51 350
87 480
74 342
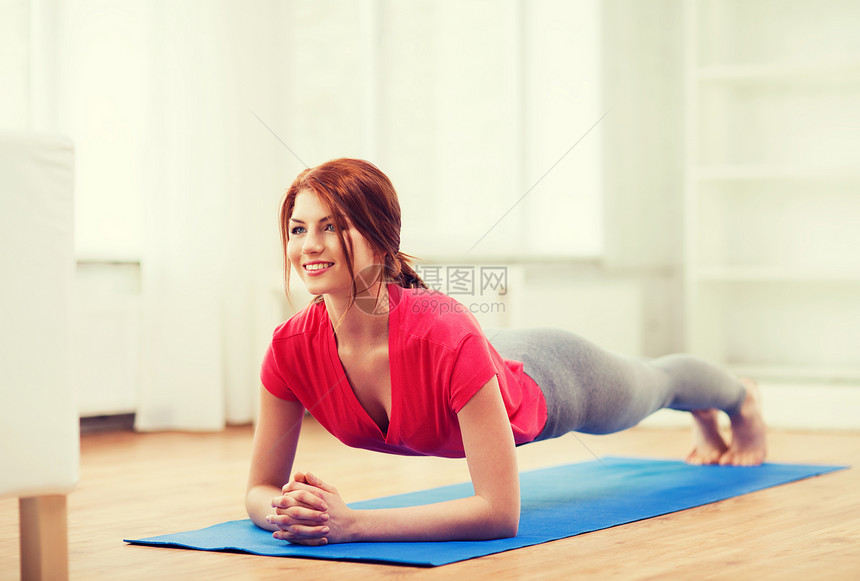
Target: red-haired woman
385 364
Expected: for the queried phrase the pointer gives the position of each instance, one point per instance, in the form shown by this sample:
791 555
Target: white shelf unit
772 257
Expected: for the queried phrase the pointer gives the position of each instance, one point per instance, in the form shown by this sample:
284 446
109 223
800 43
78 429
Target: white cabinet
106 337
773 188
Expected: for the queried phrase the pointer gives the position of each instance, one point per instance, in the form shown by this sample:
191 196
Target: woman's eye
297 230
329 227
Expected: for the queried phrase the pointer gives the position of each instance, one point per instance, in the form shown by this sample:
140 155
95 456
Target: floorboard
138 485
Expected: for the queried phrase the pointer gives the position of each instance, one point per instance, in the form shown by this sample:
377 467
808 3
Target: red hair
359 195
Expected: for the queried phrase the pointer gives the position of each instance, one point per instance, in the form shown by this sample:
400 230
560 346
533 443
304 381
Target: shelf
848 376
741 172
774 274
773 190
778 72
107 258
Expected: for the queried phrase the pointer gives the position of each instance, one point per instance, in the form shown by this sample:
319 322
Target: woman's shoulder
302 324
435 316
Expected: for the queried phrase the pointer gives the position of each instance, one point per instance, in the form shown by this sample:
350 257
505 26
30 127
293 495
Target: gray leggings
590 390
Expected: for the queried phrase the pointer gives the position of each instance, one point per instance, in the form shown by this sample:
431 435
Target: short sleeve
471 371
272 377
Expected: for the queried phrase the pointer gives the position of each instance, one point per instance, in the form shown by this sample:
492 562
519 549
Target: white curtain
209 264
184 115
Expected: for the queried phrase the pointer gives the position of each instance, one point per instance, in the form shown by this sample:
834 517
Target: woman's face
315 253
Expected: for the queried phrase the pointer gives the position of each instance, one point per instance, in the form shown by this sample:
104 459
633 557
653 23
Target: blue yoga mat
557 503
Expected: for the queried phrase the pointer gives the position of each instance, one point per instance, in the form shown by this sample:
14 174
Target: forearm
273 451
258 503
492 513
472 518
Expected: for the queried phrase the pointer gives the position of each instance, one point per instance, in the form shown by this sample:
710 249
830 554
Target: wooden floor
138 485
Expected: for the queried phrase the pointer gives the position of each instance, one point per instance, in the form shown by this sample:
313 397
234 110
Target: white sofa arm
39 424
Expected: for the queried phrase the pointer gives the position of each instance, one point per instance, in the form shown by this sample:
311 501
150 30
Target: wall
622 288
15 64
615 284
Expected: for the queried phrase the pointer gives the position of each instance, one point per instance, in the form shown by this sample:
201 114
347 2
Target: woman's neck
363 321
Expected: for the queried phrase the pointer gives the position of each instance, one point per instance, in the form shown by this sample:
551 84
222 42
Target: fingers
310 542
300 477
295 485
301 513
314 481
300 525
294 497
297 515
303 535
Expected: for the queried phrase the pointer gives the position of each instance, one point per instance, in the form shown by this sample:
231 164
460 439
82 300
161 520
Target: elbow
505 530
502 519
249 509
249 502
257 507
252 513
504 526
511 527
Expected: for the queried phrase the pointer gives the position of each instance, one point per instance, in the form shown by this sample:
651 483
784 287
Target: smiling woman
329 225
385 364
314 248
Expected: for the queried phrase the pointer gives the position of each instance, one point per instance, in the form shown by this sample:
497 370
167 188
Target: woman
385 364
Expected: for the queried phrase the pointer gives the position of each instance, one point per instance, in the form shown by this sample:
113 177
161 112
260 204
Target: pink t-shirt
439 359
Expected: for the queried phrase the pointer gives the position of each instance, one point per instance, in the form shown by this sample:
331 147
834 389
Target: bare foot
748 447
708 444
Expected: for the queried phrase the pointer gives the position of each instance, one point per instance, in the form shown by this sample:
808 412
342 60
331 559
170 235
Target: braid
403 273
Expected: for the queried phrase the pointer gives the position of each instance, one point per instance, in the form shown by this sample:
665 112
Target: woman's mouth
316 268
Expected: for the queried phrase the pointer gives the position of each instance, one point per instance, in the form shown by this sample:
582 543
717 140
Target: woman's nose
312 243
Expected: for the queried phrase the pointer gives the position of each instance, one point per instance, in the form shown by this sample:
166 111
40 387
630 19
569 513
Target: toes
694 459
697 458
727 459
735 458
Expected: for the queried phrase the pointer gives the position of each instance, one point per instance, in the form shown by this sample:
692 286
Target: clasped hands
310 512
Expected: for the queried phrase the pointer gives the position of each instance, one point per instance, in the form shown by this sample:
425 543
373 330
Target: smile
318 267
